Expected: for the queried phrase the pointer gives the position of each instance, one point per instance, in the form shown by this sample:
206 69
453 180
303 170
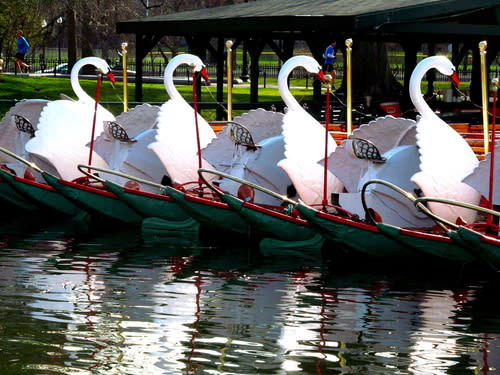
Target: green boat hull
355 236
435 245
9 195
94 200
285 230
485 247
211 213
45 196
160 212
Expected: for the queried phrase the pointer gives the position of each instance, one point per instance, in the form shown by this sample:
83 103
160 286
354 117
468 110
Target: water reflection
111 305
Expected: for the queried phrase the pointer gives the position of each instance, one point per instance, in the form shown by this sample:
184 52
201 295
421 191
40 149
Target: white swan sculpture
17 127
65 128
445 157
176 139
479 179
235 155
391 155
304 140
434 162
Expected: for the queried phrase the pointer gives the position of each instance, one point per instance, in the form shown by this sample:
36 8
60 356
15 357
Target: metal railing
156 67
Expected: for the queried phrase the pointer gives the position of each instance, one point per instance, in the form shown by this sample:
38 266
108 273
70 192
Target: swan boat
259 162
16 128
114 141
267 216
246 136
285 226
373 235
44 187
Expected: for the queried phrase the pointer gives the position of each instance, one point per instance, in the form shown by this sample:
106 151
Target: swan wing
138 119
262 124
29 109
73 155
346 166
479 179
388 132
443 152
133 122
448 188
221 151
176 140
307 179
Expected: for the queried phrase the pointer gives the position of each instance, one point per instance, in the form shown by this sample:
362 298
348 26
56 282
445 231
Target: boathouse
278 24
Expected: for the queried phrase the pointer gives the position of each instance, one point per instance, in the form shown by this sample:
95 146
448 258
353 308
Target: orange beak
454 79
321 76
204 74
111 76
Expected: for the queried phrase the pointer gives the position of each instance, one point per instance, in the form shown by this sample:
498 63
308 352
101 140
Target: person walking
329 56
22 49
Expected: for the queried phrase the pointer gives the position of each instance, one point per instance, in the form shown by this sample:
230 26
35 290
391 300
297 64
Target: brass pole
124 67
229 44
348 71
484 90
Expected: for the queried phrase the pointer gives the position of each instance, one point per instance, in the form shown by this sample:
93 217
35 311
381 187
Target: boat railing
217 190
21 159
484 210
85 169
444 224
421 204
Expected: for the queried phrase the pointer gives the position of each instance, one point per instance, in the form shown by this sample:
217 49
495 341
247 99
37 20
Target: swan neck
415 87
284 90
75 83
168 79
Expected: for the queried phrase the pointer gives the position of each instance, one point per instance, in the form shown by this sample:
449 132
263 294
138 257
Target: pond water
110 304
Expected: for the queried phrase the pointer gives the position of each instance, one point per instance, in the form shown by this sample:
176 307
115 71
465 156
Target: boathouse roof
378 17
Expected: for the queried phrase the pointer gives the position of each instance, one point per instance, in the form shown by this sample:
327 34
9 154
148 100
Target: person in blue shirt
329 56
22 49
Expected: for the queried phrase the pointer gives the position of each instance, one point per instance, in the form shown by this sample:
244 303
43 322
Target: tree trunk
71 31
372 75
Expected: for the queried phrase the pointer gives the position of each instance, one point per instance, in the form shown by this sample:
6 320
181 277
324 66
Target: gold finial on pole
484 89
229 44
348 72
124 67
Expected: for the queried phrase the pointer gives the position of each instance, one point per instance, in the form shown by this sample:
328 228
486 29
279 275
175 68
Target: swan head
307 62
101 65
442 64
192 60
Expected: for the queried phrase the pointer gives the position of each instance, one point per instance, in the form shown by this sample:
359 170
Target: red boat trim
489 239
40 185
148 194
347 221
87 188
209 202
275 213
425 235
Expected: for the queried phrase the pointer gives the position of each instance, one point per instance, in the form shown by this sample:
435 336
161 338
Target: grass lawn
37 87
